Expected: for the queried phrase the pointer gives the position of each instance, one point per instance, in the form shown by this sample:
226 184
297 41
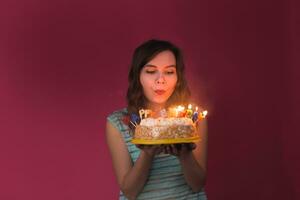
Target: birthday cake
177 126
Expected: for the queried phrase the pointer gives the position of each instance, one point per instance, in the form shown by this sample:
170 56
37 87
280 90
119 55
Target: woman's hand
150 150
179 150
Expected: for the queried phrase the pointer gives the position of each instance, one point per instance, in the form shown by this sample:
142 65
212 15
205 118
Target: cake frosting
165 128
166 121
175 125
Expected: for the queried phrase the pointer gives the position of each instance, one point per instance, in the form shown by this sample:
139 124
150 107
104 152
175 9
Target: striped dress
166 180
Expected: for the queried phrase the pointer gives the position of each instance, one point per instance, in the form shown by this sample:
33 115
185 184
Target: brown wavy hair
142 55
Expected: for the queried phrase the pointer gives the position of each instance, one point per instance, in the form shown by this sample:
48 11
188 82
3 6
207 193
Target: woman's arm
131 178
193 162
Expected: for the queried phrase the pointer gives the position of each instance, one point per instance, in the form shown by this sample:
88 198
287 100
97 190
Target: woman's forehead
163 59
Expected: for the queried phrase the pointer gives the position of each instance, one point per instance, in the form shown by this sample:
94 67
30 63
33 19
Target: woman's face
158 78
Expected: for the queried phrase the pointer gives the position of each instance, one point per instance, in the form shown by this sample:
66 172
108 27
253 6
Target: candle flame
204 113
180 108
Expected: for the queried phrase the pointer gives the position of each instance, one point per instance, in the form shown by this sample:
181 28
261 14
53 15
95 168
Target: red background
63 68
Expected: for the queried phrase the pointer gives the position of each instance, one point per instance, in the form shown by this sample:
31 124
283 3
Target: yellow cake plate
166 141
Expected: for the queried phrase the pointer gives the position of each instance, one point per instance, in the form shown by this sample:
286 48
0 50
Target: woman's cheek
173 81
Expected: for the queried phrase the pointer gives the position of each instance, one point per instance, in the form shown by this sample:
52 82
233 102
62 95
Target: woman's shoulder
118 116
118 113
119 119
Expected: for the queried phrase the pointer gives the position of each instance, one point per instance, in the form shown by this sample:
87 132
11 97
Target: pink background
63 69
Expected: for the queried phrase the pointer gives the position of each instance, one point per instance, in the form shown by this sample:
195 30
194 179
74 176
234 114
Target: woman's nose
160 79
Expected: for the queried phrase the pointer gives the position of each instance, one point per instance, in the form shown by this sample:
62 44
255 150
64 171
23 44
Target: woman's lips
160 92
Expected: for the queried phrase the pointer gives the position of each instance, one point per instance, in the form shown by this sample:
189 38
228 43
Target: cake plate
166 141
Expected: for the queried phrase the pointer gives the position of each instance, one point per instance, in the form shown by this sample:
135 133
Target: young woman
156 81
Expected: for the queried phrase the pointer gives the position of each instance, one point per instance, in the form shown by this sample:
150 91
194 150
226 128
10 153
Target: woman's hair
142 55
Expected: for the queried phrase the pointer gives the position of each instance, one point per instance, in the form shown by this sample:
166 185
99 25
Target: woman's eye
170 72
150 71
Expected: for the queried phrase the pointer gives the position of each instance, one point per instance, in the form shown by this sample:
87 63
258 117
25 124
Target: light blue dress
166 180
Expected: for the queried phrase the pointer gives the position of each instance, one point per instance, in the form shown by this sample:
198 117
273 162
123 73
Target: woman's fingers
159 149
193 146
177 149
190 146
155 149
178 146
167 149
174 150
170 149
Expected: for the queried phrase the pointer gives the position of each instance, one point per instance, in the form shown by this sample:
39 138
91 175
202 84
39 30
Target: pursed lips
160 92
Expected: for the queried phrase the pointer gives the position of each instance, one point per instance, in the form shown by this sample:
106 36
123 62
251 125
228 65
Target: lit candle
171 112
147 112
134 119
195 115
189 111
176 112
180 110
142 112
163 113
203 114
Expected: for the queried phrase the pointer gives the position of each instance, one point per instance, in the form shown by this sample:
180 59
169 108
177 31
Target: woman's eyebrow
150 65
